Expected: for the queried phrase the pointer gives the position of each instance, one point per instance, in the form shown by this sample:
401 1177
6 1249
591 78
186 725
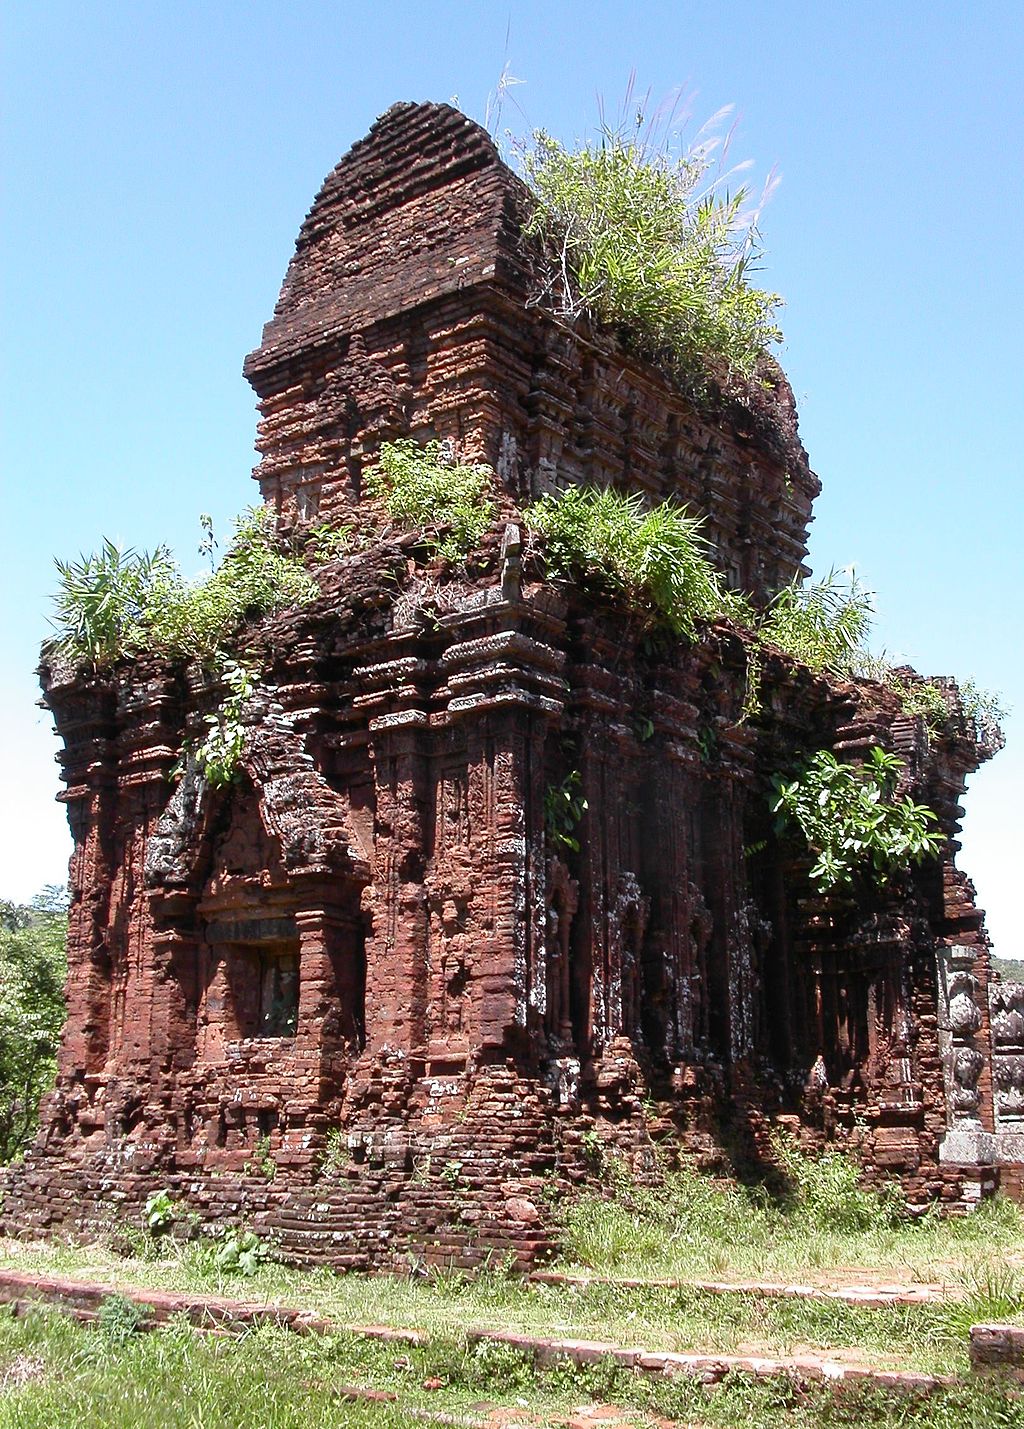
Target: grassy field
931 1338
54 1372
824 1229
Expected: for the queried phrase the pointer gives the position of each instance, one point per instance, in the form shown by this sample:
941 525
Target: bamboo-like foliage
655 558
822 623
115 604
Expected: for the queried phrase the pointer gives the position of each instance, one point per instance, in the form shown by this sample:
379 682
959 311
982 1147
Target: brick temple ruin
362 997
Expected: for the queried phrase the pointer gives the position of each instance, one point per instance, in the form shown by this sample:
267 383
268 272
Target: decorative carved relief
960 1019
692 1002
627 925
747 949
563 902
1006 1012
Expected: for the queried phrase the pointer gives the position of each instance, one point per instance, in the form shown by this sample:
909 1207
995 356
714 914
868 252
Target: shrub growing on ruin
101 602
116 604
196 619
655 558
647 241
821 623
984 714
219 752
423 488
852 820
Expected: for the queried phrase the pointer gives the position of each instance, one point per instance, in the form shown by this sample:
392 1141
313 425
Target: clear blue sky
158 159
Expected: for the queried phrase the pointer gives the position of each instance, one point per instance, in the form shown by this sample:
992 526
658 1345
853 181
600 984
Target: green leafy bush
646 242
33 967
423 489
826 1191
120 1318
851 819
326 541
197 619
158 1212
116 604
984 714
564 807
921 699
219 753
655 558
239 1252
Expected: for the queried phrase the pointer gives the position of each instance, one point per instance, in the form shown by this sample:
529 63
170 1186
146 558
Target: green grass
693 1229
826 1228
54 1372
928 1337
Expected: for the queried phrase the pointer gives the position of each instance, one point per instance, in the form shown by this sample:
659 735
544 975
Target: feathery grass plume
646 236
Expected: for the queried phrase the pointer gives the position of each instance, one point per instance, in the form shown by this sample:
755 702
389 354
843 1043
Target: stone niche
369 964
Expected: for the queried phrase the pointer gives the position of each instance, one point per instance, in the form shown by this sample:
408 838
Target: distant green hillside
1009 969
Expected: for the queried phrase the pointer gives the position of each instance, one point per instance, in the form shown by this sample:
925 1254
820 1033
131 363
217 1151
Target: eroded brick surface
362 997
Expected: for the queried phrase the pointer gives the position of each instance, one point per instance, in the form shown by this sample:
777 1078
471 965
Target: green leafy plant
326 542
644 237
120 1318
263 1163
564 807
159 1212
423 488
655 558
336 1154
232 1251
852 820
220 751
197 619
984 714
450 1173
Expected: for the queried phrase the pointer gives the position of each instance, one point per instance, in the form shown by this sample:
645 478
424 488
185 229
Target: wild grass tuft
644 237
655 558
821 623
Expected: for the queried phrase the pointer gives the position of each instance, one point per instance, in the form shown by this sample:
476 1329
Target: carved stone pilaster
1006 1016
963 1057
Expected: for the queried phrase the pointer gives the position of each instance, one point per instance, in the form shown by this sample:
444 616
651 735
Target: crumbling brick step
83 1299
871 1297
998 1348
